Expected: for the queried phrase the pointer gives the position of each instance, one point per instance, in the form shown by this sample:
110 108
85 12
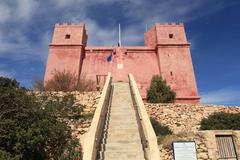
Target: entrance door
226 147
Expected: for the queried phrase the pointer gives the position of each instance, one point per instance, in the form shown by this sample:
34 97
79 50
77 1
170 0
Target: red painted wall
175 63
166 53
66 53
144 58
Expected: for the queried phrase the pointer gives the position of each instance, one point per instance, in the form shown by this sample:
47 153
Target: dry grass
61 81
168 140
38 85
85 85
65 81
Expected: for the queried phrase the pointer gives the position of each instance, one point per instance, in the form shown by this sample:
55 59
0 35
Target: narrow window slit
67 36
170 35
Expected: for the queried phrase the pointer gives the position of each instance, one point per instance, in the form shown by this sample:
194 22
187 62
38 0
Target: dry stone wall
184 121
184 117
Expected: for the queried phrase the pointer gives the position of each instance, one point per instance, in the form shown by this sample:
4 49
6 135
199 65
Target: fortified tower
66 51
166 53
174 58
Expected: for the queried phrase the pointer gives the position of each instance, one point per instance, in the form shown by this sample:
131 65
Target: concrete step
123 146
121 108
123 140
122 118
119 130
125 115
120 148
114 127
114 140
122 123
123 155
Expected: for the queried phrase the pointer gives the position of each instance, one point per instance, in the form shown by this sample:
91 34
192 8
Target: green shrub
88 115
159 91
31 128
8 83
160 130
61 107
5 155
221 121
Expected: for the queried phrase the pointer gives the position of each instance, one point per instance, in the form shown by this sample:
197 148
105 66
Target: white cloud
132 35
100 36
5 12
221 96
21 17
173 10
21 10
26 9
17 46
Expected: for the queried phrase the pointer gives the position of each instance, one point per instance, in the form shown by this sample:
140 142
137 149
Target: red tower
166 52
66 51
175 62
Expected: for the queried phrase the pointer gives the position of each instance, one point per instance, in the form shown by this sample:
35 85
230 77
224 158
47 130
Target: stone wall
184 117
184 121
89 101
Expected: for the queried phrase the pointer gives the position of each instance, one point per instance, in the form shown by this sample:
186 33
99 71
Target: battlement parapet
69 24
171 24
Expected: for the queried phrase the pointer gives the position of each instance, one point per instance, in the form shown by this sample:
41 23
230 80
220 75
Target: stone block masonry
184 117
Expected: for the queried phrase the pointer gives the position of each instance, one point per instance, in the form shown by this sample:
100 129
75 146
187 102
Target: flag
109 58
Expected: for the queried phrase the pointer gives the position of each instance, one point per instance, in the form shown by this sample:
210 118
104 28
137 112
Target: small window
67 36
170 35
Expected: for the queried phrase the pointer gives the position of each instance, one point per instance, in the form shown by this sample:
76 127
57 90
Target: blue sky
212 27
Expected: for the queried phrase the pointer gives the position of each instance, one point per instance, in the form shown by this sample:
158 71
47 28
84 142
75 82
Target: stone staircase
121 138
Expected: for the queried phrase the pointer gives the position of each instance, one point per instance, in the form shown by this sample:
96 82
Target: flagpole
119 35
